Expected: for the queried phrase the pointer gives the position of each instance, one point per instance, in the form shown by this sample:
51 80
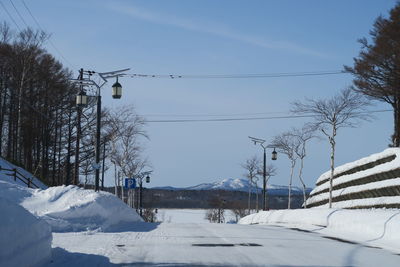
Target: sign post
130 184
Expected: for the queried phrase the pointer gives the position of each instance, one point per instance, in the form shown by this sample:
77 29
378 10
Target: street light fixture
273 157
80 100
116 90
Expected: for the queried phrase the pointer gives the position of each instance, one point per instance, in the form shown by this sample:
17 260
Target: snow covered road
191 244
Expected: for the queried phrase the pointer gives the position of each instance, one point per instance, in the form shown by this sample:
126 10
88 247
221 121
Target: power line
51 43
246 118
212 115
9 15
19 14
237 76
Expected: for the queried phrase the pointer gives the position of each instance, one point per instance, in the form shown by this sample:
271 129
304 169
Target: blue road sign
130 183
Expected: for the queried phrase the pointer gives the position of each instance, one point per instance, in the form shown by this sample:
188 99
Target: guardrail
17 175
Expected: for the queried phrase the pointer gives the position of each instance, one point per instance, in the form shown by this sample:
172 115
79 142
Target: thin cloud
214 29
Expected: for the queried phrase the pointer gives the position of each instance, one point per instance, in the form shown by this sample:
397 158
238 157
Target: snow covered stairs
371 182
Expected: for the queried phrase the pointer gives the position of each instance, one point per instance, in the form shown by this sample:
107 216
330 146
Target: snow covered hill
239 185
6 175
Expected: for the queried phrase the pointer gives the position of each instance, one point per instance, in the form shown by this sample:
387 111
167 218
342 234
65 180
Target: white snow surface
355 189
388 166
5 177
373 227
213 244
25 239
394 164
70 208
188 216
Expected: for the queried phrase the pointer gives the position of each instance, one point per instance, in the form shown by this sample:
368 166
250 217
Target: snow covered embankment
25 240
71 209
374 227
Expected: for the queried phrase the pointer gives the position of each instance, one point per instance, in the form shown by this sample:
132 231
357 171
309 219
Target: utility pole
78 135
104 165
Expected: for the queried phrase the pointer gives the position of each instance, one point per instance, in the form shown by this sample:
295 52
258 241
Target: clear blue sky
218 37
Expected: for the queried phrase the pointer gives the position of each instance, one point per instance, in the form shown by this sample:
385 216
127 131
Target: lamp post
82 100
140 178
274 157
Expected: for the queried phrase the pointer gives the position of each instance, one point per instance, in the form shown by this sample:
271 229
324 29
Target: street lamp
141 176
116 90
273 157
81 97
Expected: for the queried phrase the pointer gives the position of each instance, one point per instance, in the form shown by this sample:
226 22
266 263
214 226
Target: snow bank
4 175
376 227
368 182
394 164
70 208
25 240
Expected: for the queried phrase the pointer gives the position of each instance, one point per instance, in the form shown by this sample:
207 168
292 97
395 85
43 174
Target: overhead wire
235 76
248 118
9 15
51 43
19 14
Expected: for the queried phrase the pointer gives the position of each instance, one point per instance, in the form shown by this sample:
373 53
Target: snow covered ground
373 227
211 244
4 174
188 216
29 216
24 239
69 226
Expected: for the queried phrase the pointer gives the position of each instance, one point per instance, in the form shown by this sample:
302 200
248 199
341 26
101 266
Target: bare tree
303 135
238 210
252 166
286 143
125 129
345 109
376 70
217 211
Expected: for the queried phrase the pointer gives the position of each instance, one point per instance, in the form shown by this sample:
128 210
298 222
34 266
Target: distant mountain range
239 185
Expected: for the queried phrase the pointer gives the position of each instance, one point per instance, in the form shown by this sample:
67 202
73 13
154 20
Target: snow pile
367 182
25 240
5 174
70 208
374 227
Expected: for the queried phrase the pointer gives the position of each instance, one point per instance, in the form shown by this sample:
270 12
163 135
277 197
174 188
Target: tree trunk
290 183
256 197
249 200
302 182
68 156
396 112
115 180
332 142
